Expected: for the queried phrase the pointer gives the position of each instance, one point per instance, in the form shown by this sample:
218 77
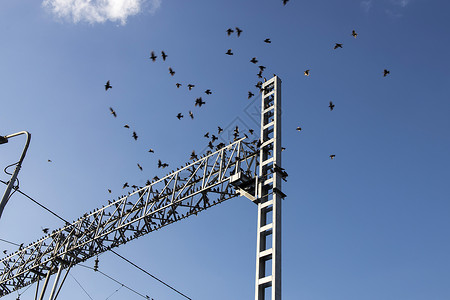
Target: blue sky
371 224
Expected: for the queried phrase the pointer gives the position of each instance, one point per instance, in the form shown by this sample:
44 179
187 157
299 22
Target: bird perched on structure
354 34
229 31
332 156
191 115
193 155
229 52
171 71
153 56
208 92
139 166
178 84
113 112
254 60
268 41
306 72
199 102
190 86
156 178
164 55
108 86
179 116
238 31
135 137
386 72
337 45
250 95
331 106
125 185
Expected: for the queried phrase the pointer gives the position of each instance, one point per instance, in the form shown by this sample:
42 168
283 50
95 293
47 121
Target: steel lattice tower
247 168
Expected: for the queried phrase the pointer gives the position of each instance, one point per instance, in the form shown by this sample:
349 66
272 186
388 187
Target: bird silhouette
386 72
139 166
193 155
210 145
126 126
153 56
331 106
109 191
254 60
251 131
164 55
239 31
162 165
268 41
199 102
171 71
45 230
190 86
261 68
229 52
219 130
49 160
108 86
151 150
4 251
113 112
214 138
285 1
178 84
135 137
208 92
337 45
332 156
191 115
306 72
299 128
125 185
179 116
354 34
229 31
259 74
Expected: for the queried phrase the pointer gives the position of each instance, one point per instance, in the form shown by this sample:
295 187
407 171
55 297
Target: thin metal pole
45 284
16 171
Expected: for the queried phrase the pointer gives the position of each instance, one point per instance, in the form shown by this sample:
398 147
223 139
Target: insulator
96 264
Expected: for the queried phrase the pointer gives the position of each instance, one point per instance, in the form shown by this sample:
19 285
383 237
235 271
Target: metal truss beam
184 192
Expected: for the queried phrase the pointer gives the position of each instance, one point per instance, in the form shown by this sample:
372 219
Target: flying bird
332 156
207 135
153 56
229 52
285 1
45 230
108 86
250 94
125 185
251 131
171 71
306 72
219 130
208 92
254 60
239 31
113 112
210 145
261 68
229 31
126 126
191 115
178 84
386 72
49 160
193 155
135 137
299 128
179 116
164 55
151 150
190 86
214 138
331 106
109 191
268 41
354 34
259 74
139 166
199 102
162 165
337 45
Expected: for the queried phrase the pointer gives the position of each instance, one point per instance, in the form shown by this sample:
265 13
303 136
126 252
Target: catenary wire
81 287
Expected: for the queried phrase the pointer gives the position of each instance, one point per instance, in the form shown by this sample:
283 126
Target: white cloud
98 11
366 5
